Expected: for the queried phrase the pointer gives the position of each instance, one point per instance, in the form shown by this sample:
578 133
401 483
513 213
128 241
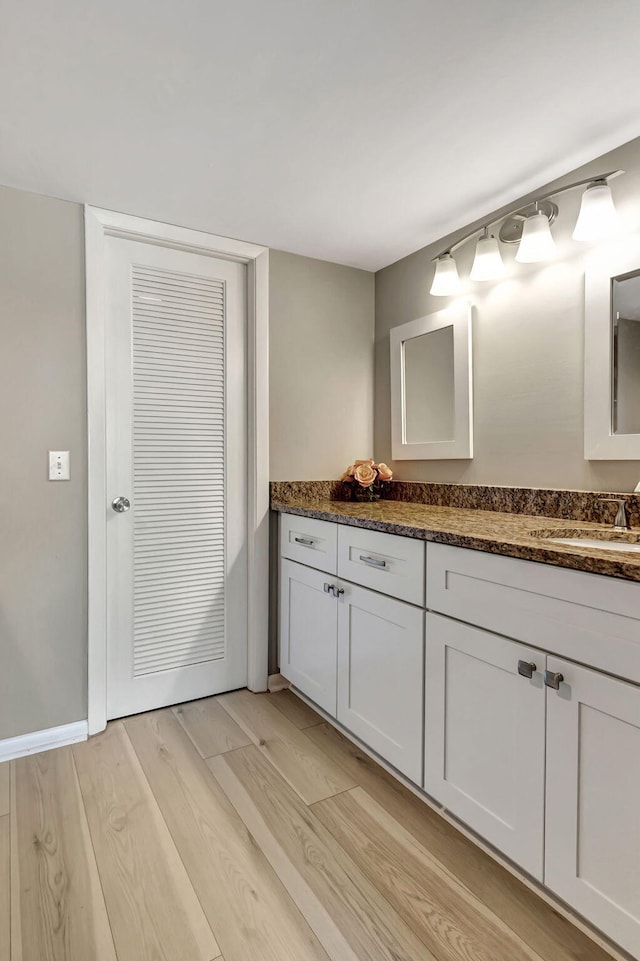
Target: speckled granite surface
564 504
282 491
496 532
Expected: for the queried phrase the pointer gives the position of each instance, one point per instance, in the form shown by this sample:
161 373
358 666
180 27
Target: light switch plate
59 467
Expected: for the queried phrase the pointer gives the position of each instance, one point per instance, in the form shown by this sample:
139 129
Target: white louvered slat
178 469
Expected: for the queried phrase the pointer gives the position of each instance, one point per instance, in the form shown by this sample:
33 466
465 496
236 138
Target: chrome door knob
121 504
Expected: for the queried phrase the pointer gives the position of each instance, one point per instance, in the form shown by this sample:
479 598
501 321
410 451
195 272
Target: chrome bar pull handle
373 561
553 679
526 668
337 591
304 540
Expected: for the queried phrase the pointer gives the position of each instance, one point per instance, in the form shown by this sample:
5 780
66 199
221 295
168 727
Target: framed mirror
612 354
431 391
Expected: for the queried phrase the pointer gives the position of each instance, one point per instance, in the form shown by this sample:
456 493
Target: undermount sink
602 540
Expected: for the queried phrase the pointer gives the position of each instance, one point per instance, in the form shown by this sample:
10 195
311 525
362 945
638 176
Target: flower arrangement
365 480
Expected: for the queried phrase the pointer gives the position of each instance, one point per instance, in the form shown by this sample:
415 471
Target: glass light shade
446 280
536 244
598 216
487 263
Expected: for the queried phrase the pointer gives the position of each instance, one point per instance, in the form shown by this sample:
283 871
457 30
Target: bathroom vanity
506 688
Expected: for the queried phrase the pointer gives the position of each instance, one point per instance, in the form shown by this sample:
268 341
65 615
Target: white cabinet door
308 633
592 856
380 665
485 736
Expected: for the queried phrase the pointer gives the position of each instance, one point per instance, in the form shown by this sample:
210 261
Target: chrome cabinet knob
332 589
121 504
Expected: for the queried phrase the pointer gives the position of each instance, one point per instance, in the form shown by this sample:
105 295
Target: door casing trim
99 224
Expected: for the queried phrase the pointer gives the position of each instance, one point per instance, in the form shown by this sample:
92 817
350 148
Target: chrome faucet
621 520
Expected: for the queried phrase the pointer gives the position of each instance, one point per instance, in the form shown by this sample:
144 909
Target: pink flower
385 472
365 474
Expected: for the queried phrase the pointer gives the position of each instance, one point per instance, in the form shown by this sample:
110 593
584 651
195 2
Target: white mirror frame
458 316
600 443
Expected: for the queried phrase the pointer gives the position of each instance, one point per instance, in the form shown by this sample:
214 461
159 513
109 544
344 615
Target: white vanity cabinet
508 690
570 815
355 652
485 736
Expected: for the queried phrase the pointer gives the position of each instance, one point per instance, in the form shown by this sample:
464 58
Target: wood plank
309 770
247 906
5 881
5 768
451 921
347 913
210 727
152 907
548 933
295 709
57 907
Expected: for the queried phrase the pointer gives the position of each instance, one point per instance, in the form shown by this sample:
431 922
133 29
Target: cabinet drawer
586 617
384 562
309 541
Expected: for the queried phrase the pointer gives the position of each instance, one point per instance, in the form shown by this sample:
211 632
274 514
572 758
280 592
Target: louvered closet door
176 442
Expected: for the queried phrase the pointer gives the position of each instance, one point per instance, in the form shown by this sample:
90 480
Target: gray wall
43 597
321 367
322 417
528 391
528 356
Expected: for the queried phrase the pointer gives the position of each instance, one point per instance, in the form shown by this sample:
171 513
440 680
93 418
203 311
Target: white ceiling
355 131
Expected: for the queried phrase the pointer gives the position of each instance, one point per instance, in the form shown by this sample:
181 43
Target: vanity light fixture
598 216
487 263
530 228
446 280
536 243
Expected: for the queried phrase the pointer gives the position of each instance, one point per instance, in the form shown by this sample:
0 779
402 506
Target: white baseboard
277 683
13 747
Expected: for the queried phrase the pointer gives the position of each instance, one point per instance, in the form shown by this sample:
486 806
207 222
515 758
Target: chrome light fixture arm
521 213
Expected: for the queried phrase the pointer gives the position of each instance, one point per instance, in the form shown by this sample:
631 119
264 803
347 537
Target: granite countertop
491 531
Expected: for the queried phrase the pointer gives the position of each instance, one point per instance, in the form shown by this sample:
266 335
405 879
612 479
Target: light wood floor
244 827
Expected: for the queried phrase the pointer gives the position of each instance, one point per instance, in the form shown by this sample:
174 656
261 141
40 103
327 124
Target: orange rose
348 474
358 463
365 474
385 472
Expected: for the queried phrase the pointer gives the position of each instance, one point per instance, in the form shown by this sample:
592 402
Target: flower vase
366 494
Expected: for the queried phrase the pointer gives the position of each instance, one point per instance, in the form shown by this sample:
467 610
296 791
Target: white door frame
99 224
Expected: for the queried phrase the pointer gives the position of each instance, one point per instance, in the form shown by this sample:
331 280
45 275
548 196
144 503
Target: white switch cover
59 465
